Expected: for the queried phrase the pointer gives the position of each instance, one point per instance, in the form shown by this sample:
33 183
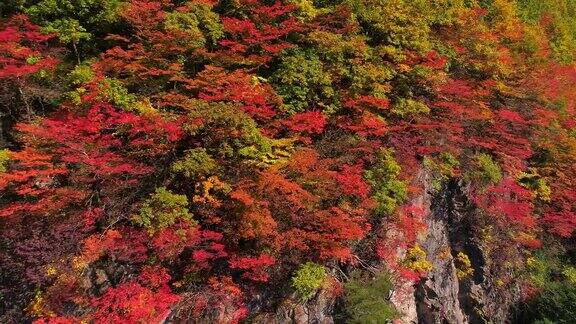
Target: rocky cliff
449 293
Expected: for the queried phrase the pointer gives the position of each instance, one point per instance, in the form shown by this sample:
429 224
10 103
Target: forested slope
355 161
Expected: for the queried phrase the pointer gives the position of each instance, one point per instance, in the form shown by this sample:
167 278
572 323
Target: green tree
4 158
69 31
398 23
389 192
308 279
75 20
368 301
562 24
302 81
485 170
196 163
162 210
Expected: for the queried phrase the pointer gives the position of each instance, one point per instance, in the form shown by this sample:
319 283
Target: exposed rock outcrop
317 311
443 297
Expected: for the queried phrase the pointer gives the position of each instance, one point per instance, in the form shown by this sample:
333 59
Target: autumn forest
287 161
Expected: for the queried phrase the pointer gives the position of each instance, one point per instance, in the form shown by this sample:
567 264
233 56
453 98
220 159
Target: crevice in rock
459 215
442 297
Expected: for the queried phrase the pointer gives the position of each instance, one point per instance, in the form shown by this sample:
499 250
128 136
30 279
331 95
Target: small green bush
556 304
302 81
535 182
115 92
162 210
80 74
442 168
383 178
555 277
308 279
485 170
409 107
562 24
400 23
188 23
196 163
4 158
464 267
367 301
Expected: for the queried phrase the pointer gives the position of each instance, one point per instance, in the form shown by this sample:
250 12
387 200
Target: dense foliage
183 157
367 301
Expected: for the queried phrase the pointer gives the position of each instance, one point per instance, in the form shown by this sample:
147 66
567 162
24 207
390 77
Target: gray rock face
437 296
442 297
316 311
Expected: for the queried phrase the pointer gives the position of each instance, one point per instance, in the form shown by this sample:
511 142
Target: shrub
442 168
409 107
195 163
398 23
162 210
367 301
302 81
4 158
416 260
556 302
486 170
555 278
389 192
463 266
308 279
535 182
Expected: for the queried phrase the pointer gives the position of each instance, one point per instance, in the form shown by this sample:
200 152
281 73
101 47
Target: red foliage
434 60
261 37
32 176
560 223
130 247
457 88
409 274
96 245
410 222
528 241
327 233
22 49
400 235
367 124
89 140
206 245
145 15
256 222
510 202
169 242
511 116
87 167
57 320
284 191
124 244
312 122
154 277
132 303
367 102
303 160
207 250
254 268
98 145
351 180
214 84
243 197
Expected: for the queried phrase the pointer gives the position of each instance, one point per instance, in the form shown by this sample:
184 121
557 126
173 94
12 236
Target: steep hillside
307 161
